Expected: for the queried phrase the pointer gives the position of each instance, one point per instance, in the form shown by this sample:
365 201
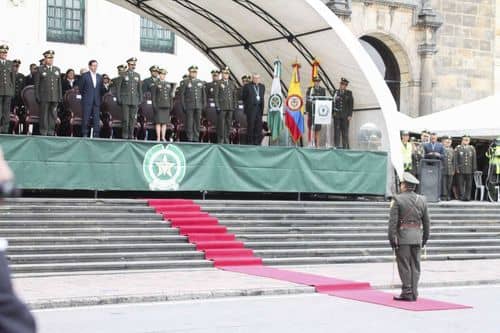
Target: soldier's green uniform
466 165
210 86
129 96
193 100
226 101
161 95
148 84
409 227
116 81
48 92
7 89
448 171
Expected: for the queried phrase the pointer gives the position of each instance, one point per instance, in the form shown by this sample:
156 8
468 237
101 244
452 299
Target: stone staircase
71 235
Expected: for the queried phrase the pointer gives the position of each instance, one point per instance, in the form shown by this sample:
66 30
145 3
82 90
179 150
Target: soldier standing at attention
315 90
48 93
419 151
409 227
448 169
210 86
148 84
193 100
161 95
129 96
343 102
226 101
466 165
7 88
20 78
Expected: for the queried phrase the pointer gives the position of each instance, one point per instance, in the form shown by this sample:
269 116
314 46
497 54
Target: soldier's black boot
405 298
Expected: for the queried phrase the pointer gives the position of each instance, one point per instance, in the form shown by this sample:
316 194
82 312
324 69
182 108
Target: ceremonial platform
66 163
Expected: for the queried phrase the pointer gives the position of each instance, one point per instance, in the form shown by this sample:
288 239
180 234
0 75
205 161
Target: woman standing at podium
315 90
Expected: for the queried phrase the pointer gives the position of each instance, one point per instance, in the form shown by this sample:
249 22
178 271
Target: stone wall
464 63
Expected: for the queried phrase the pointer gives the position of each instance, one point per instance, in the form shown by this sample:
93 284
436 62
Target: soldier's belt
410 226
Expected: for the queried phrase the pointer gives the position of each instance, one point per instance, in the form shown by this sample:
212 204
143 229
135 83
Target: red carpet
231 255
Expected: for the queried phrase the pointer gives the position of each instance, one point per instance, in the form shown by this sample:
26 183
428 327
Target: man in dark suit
253 100
434 150
90 85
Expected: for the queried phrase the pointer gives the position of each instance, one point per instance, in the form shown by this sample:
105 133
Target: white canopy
248 35
480 118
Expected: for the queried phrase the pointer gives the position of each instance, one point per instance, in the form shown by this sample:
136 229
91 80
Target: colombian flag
294 108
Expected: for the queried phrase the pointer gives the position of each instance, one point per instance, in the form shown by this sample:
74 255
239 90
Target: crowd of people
129 90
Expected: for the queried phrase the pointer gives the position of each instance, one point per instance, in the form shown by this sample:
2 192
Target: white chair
478 182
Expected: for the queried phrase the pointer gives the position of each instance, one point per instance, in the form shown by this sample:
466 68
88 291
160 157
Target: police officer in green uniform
20 79
210 86
343 102
7 88
161 95
193 101
448 170
226 101
129 96
466 165
315 90
147 84
419 151
409 227
48 92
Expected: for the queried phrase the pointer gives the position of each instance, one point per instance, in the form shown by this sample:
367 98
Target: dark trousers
341 130
254 127
193 120
90 111
129 120
14 315
224 122
464 186
447 183
5 113
48 117
408 259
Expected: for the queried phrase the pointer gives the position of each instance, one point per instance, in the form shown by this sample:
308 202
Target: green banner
103 164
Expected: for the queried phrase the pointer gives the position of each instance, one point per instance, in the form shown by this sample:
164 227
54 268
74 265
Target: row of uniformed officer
7 88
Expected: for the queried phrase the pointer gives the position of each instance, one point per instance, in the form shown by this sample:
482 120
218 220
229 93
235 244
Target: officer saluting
226 101
7 87
48 92
466 165
408 231
193 100
129 95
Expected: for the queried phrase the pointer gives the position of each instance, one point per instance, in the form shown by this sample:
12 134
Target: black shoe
405 298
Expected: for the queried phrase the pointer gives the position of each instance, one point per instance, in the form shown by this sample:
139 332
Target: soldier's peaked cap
410 179
154 68
49 54
4 48
214 72
162 71
132 60
193 68
344 80
121 67
16 61
226 70
405 133
316 78
465 136
447 137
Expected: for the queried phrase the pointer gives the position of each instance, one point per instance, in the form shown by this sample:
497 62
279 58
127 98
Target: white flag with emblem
275 117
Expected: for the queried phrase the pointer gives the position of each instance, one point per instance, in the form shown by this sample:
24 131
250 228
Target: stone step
104 257
348 216
109 266
338 210
79 223
54 232
348 223
74 201
82 215
75 209
99 248
354 229
96 239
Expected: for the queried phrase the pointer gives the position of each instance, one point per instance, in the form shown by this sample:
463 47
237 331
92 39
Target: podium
322 115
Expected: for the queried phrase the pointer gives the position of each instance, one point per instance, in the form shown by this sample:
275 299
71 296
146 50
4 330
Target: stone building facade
437 53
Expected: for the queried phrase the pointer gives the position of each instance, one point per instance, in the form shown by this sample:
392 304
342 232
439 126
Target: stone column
341 8
429 21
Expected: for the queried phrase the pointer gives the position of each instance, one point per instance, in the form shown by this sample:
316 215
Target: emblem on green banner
164 167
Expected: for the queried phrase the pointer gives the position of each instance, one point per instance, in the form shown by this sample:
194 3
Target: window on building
65 21
155 38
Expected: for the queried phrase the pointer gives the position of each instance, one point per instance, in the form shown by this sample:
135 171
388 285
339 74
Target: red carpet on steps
231 255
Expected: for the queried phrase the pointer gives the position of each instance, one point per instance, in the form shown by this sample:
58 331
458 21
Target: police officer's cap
244 77
154 68
132 60
215 72
16 61
162 71
4 48
316 78
405 133
410 179
225 70
344 80
447 137
121 67
466 136
193 68
105 76
49 54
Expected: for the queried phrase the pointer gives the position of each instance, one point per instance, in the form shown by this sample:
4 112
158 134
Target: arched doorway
387 64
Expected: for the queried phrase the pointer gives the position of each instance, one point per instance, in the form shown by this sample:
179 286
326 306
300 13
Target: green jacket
129 89
449 166
465 159
161 95
226 95
409 222
7 79
192 94
19 84
342 104
210 89
148 84
48 84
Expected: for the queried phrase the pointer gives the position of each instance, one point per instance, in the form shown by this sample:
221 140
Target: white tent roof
479 119
248 35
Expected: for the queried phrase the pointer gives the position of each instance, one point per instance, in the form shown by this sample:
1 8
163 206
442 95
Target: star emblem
164 167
